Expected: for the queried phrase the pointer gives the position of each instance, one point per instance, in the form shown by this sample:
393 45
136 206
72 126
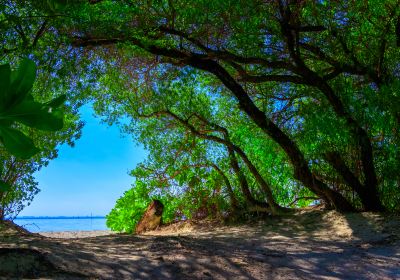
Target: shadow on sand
310 246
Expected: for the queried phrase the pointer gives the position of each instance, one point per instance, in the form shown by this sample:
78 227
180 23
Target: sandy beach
317 245
76 234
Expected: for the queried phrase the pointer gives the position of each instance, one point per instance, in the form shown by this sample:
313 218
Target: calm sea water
61 224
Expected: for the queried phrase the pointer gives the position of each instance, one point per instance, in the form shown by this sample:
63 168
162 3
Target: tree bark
1 213
370 189
313 79
151 218
301 169
370 201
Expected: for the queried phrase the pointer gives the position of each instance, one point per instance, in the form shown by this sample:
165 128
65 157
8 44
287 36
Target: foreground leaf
17 143
36 115
57 102
22 81
5 73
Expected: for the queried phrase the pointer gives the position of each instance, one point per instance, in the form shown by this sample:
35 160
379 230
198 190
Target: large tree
317 78
329 48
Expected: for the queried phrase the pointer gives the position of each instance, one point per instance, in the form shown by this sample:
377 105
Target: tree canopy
243 105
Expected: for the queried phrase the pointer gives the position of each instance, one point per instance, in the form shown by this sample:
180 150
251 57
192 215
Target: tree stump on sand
151 219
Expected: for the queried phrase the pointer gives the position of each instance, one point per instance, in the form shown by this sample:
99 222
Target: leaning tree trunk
302 171
369 199
369 192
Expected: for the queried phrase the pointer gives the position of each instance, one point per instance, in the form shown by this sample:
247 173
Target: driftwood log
151 219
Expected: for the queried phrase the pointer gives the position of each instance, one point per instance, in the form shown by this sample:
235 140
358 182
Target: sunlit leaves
128 209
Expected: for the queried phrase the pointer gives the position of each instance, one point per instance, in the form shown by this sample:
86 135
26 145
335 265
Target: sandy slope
316 245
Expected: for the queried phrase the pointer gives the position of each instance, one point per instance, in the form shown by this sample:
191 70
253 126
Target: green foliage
128 210
54 7
137 59
355 52
38 118
130 207
17 105
20 194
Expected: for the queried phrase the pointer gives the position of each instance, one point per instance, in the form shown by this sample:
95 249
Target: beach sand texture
76 234
316 245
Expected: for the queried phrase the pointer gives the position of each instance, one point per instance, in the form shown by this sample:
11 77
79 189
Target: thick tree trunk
1 206
370 200
370 189
151 219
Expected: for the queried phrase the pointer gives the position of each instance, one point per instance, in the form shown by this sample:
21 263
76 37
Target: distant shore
58 217
61 224
76 234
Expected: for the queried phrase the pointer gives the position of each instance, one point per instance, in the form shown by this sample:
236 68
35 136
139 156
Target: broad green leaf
17 143
5 73
57 5
4 122
35 115
21 81
57 102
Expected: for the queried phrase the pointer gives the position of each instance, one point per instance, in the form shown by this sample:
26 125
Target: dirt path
319 245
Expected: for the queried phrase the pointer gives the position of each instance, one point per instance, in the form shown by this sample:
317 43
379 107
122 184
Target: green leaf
5 187
57 5
57 102
5 73
21 81
17 143
36 115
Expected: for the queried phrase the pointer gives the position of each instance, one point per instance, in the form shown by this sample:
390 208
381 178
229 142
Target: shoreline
60 218
76 233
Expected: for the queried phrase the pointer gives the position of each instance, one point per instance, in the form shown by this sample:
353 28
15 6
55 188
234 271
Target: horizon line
59 217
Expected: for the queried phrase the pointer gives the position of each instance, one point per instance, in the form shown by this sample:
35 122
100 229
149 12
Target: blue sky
90 177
